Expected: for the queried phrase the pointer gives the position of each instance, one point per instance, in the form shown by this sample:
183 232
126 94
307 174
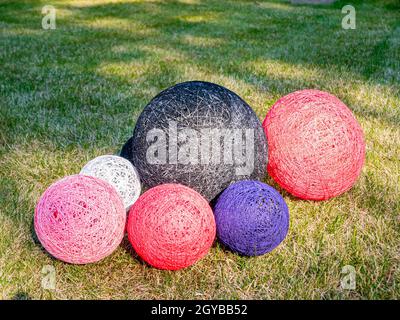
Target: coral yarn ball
198 134
316 146
118 172
252 218
171 226
80 219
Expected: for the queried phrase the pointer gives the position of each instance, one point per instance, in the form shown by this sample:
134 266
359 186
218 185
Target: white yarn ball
118 172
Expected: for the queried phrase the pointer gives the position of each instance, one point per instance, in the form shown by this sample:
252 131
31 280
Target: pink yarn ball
171 226
316 146
80 219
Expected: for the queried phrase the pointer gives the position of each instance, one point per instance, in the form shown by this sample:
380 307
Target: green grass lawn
70 94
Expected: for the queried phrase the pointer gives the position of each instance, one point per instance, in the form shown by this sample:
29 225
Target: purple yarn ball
252 218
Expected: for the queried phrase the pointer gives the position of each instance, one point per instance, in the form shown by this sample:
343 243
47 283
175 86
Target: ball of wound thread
118 172
206 109
171 226
80 219
252 218
316 145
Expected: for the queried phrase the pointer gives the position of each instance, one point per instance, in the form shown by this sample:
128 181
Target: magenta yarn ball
80 219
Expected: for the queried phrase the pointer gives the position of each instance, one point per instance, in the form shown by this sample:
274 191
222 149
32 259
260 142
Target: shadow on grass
288 33
157 36
21 296
126 245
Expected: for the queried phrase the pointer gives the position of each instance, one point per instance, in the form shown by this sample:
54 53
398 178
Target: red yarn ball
80 219
171 226
316 146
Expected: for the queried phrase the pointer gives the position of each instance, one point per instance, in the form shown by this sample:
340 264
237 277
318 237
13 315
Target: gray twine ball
198 134
119 173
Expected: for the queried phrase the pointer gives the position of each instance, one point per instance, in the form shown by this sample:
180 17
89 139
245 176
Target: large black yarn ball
198 134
